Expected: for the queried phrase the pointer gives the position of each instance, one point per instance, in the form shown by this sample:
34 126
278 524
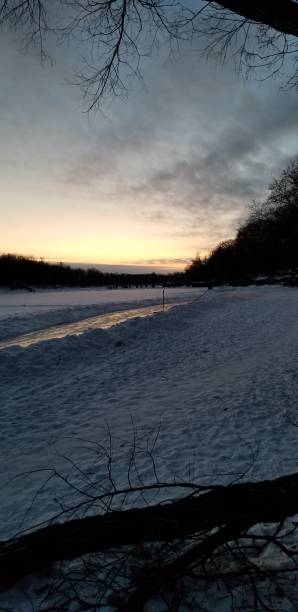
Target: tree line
19 272
265 244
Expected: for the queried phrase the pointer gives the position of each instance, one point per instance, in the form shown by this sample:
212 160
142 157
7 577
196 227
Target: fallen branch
229 510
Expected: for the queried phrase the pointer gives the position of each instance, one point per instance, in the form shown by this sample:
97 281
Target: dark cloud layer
186 155
195 148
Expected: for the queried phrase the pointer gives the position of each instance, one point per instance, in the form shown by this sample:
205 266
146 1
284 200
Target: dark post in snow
163 300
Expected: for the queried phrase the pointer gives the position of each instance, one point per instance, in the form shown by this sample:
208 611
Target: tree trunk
235 507
281 15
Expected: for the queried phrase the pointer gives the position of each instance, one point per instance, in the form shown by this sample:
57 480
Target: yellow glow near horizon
108 241
154 182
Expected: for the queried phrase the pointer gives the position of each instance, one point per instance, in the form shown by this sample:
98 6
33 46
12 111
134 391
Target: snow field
22 312
217 378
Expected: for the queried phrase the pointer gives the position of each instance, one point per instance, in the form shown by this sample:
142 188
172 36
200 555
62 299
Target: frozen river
104 321
23 312
22 302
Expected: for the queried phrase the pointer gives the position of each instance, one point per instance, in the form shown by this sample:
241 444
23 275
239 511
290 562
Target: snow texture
217 378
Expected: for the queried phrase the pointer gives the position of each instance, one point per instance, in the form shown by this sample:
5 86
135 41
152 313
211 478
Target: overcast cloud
185 155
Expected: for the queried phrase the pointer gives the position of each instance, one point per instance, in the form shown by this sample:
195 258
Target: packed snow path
104 321
218 377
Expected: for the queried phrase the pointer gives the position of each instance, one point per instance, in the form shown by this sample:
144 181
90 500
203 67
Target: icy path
22 312
220 375
104 321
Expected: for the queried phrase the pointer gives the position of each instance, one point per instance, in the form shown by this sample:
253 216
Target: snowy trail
220 375
104 321
22 312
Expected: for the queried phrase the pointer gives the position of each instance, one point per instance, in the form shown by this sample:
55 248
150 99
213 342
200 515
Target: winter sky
152 180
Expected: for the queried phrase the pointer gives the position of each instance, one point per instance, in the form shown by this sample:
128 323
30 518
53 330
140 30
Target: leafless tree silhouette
118 33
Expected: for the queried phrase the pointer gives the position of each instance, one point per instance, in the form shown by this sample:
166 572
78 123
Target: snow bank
22 312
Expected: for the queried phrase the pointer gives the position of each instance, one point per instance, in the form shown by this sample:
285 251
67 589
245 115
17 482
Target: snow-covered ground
216 379
22 312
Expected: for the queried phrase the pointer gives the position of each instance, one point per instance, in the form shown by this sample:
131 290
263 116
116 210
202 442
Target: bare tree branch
230 509
116 34
281 15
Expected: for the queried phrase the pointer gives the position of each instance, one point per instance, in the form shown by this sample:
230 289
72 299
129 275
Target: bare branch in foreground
112 36
206 520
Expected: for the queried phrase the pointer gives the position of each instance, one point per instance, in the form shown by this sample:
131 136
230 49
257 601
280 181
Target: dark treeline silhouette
265 244
17 272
